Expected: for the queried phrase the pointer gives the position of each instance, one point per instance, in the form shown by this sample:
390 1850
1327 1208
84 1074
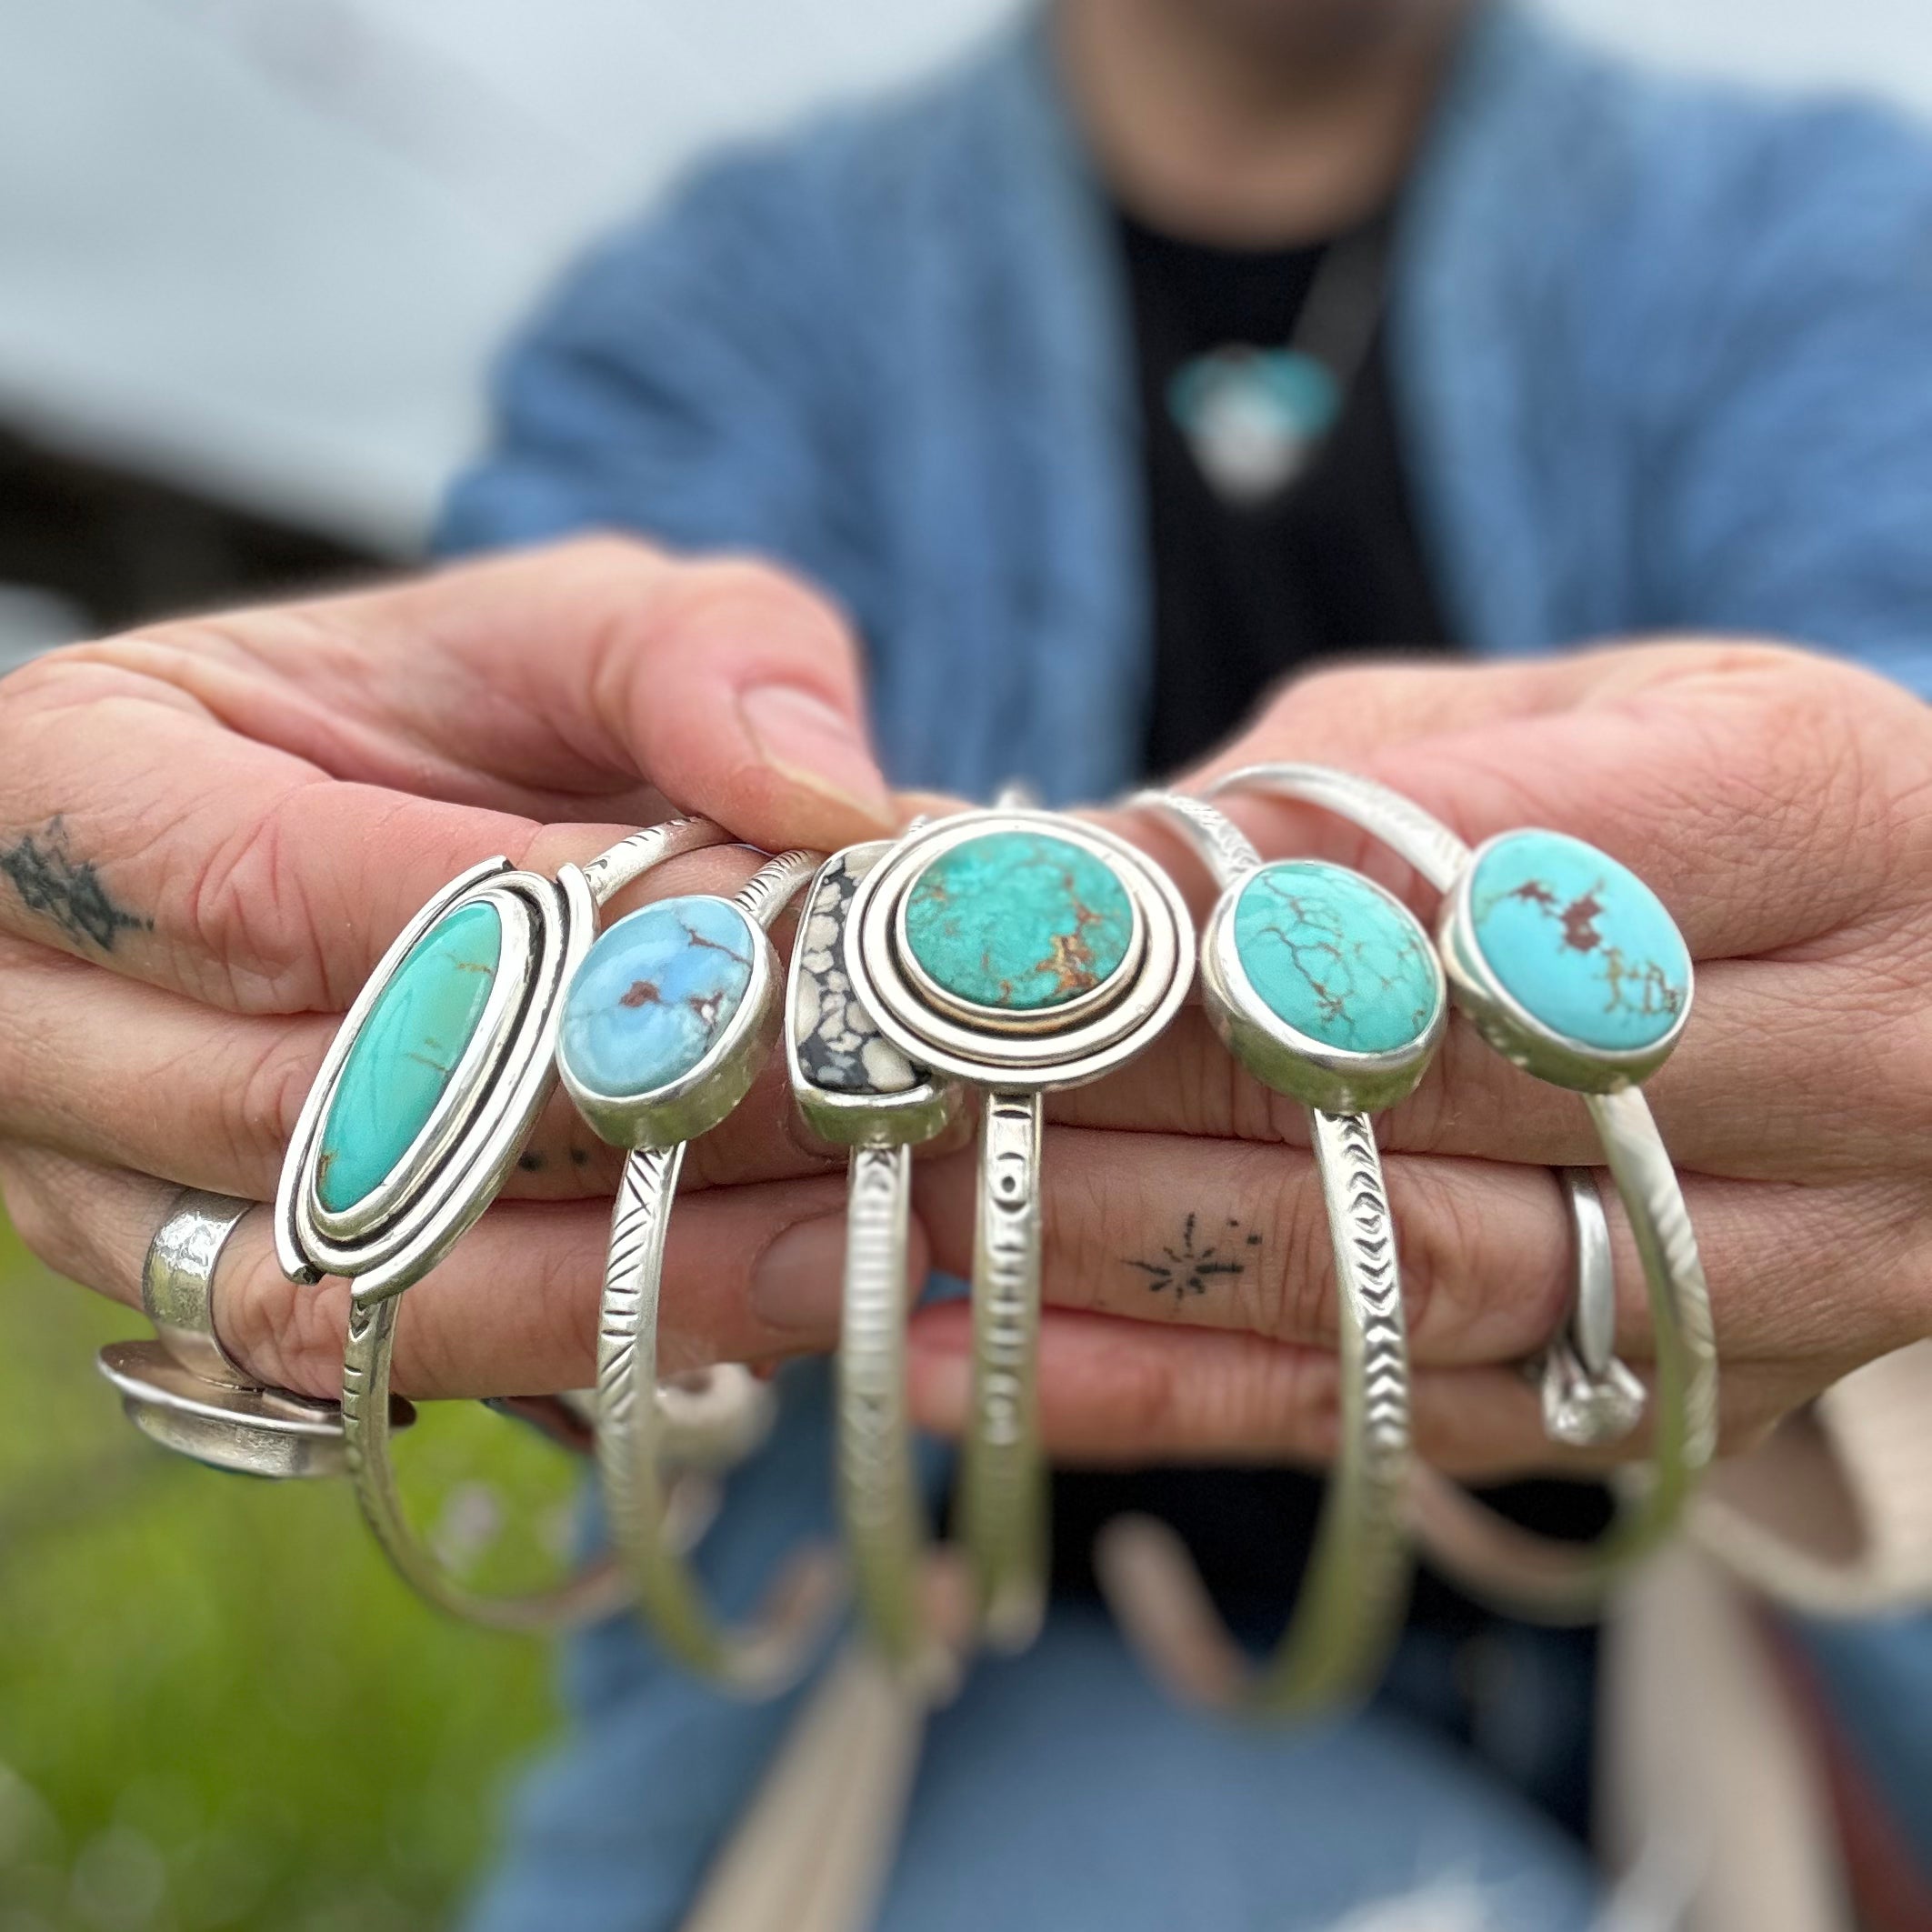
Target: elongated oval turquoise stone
405 1053
655 994
1018 920
1579 941
1333 957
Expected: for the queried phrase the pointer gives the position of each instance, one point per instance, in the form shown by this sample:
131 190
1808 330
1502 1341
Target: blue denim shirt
1662 359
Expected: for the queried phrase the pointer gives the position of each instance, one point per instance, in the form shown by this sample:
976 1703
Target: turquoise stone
1018 920
1333 957
655 994
1579 941
405 1053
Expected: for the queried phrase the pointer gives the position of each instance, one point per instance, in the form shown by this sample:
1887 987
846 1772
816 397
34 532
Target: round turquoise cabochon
1579 941
1018 920
1337 959
656 993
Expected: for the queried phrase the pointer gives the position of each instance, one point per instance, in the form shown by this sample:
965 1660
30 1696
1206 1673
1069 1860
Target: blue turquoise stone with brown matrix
1334 958
1018 921
1579 941
656 993
405 1053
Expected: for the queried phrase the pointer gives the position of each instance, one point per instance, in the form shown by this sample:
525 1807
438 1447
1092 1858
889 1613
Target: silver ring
650 1065
472 988
1015 951
1529 1574
854 1089
184 1390
177 1283
1328 989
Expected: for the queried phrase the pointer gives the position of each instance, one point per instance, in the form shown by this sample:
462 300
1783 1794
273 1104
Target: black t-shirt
1243 593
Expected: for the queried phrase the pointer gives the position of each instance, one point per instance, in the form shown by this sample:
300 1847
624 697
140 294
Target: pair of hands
209 832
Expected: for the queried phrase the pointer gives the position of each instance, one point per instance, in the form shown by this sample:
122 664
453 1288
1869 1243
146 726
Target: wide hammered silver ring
177 1282
182 1389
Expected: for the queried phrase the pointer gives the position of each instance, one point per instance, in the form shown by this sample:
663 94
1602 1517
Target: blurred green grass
217 1708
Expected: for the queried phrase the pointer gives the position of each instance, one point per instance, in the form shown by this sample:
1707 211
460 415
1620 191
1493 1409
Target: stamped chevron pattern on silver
763 895
1375 1348
1680 1308
1371 1281
627 1333
1423 840
1225 848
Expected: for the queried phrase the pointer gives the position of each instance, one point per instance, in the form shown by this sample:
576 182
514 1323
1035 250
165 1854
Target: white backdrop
267 245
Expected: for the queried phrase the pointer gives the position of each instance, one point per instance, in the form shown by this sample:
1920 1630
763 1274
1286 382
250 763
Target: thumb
740 694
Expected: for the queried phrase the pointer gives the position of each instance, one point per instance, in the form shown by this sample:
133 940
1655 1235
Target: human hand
210 831
1781 804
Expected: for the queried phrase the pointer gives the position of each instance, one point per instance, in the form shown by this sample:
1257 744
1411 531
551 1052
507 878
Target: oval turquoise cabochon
1018 920
1579 941
656 993
1334 958
407 1051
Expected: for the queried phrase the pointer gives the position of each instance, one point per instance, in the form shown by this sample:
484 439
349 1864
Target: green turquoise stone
1579 941
405 1053
1333 957
1018 920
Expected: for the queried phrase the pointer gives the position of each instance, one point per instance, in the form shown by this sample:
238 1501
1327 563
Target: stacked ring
184 1390
425 1098
1016 951
664 1027
1570 967
854 1089
1327 989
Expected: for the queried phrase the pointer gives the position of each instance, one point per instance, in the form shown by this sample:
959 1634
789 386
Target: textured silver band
762 1657
177 1283
599 1589
1012 1058
1002 1472
1356 1583
852 1088
1524 1574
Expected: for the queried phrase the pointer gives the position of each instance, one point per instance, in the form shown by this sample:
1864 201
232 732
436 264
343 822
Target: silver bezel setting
700 1098
1516 1032
404 1225
1336 1079
851 1118
1030 1052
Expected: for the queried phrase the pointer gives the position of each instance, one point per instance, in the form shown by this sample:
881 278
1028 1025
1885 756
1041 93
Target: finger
751 1274
1856 1056
1769 795
1175 1232
266 873
1330 712
1116 1394
1179 1232
128 1075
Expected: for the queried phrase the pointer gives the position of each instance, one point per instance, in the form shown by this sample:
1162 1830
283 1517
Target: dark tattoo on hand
67 890
1190 1268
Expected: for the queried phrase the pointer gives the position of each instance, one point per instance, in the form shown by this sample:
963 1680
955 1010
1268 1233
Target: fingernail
797 1281
814 743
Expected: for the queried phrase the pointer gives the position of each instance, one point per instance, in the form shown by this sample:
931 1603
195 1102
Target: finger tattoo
67 890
